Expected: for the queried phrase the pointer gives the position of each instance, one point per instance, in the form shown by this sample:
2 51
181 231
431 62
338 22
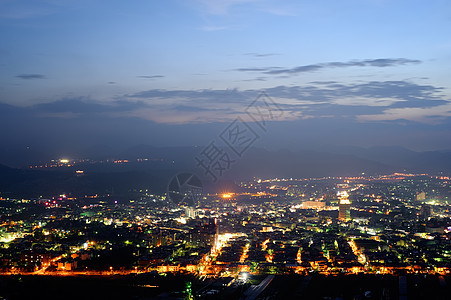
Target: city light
255 238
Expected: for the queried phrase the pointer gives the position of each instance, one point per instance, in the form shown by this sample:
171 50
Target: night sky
76 73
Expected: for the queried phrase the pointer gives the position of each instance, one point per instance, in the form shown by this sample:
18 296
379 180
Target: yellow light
64 161
181 220
264 245
226 195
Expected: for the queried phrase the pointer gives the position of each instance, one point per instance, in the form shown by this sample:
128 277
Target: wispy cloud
30 76
256 79
261 54
428 115
75 106
257 69
380 63
365 102
150 76
316 99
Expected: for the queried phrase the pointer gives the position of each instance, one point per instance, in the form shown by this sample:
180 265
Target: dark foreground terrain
154 286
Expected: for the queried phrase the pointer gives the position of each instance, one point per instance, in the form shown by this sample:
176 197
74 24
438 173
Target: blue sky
365 63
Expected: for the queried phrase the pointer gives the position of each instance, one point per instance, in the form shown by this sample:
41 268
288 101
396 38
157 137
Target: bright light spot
343 194
345 201
243 276
181 220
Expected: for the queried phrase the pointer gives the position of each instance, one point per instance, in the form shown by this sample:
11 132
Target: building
191 212
30 258
319 205
344 210
204 235
344 207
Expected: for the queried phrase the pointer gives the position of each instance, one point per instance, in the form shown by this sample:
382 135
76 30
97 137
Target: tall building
344 207
205 235
191 212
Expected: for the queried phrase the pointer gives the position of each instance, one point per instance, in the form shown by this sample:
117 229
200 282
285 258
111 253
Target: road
252 292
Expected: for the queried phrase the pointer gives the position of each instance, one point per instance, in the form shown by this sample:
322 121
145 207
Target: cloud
323 82
365 102
189 108
199 96
395 89
150 76
256 79
255 69
78 106
388 62
300 69
380 63
318 99
428 115
261 54
30 76
361 98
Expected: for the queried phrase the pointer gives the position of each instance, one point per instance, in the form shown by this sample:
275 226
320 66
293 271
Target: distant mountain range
325 161
165 162
402 158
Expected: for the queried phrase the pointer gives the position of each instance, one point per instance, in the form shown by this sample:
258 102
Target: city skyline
385 229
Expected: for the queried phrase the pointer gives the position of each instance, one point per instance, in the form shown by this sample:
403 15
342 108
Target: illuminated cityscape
368 225
225 150
344 207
